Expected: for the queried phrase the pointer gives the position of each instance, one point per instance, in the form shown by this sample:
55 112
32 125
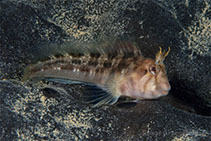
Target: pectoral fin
92 94
98 96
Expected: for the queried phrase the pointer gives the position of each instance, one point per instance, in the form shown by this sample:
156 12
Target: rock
30 114
30 111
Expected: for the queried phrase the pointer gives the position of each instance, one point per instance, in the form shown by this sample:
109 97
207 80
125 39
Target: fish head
148 81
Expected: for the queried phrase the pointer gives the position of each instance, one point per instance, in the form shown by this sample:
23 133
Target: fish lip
164 92
151 96
154 95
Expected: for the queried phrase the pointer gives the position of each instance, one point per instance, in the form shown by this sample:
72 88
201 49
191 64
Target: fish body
122 73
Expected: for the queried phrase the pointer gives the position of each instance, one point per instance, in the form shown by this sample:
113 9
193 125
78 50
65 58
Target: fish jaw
137 92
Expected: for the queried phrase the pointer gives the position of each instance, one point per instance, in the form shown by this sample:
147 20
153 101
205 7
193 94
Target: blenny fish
117 68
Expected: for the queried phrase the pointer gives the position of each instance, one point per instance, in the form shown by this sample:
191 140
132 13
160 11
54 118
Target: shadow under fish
109 69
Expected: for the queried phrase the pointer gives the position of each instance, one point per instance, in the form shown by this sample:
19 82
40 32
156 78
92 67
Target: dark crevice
183 97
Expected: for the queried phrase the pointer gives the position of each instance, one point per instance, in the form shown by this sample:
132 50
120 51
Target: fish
110 69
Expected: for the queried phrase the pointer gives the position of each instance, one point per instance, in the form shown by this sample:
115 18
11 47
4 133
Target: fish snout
165 88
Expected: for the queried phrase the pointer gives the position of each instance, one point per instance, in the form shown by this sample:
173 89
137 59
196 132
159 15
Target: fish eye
152 70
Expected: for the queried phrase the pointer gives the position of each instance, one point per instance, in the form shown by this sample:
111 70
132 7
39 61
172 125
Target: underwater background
42 110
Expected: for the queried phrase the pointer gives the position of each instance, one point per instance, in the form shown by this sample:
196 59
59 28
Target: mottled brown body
96 69
125 73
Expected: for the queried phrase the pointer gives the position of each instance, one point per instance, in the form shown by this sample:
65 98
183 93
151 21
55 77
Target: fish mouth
164 92
153 95
159 94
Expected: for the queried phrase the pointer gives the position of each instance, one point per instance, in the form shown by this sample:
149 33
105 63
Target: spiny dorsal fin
109 47
120 47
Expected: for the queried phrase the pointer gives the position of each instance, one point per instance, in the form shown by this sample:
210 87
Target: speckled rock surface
29 112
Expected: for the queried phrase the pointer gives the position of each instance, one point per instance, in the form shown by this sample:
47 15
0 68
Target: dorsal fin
109 47
123 47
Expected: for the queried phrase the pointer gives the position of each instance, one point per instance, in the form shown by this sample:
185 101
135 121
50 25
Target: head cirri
149 80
